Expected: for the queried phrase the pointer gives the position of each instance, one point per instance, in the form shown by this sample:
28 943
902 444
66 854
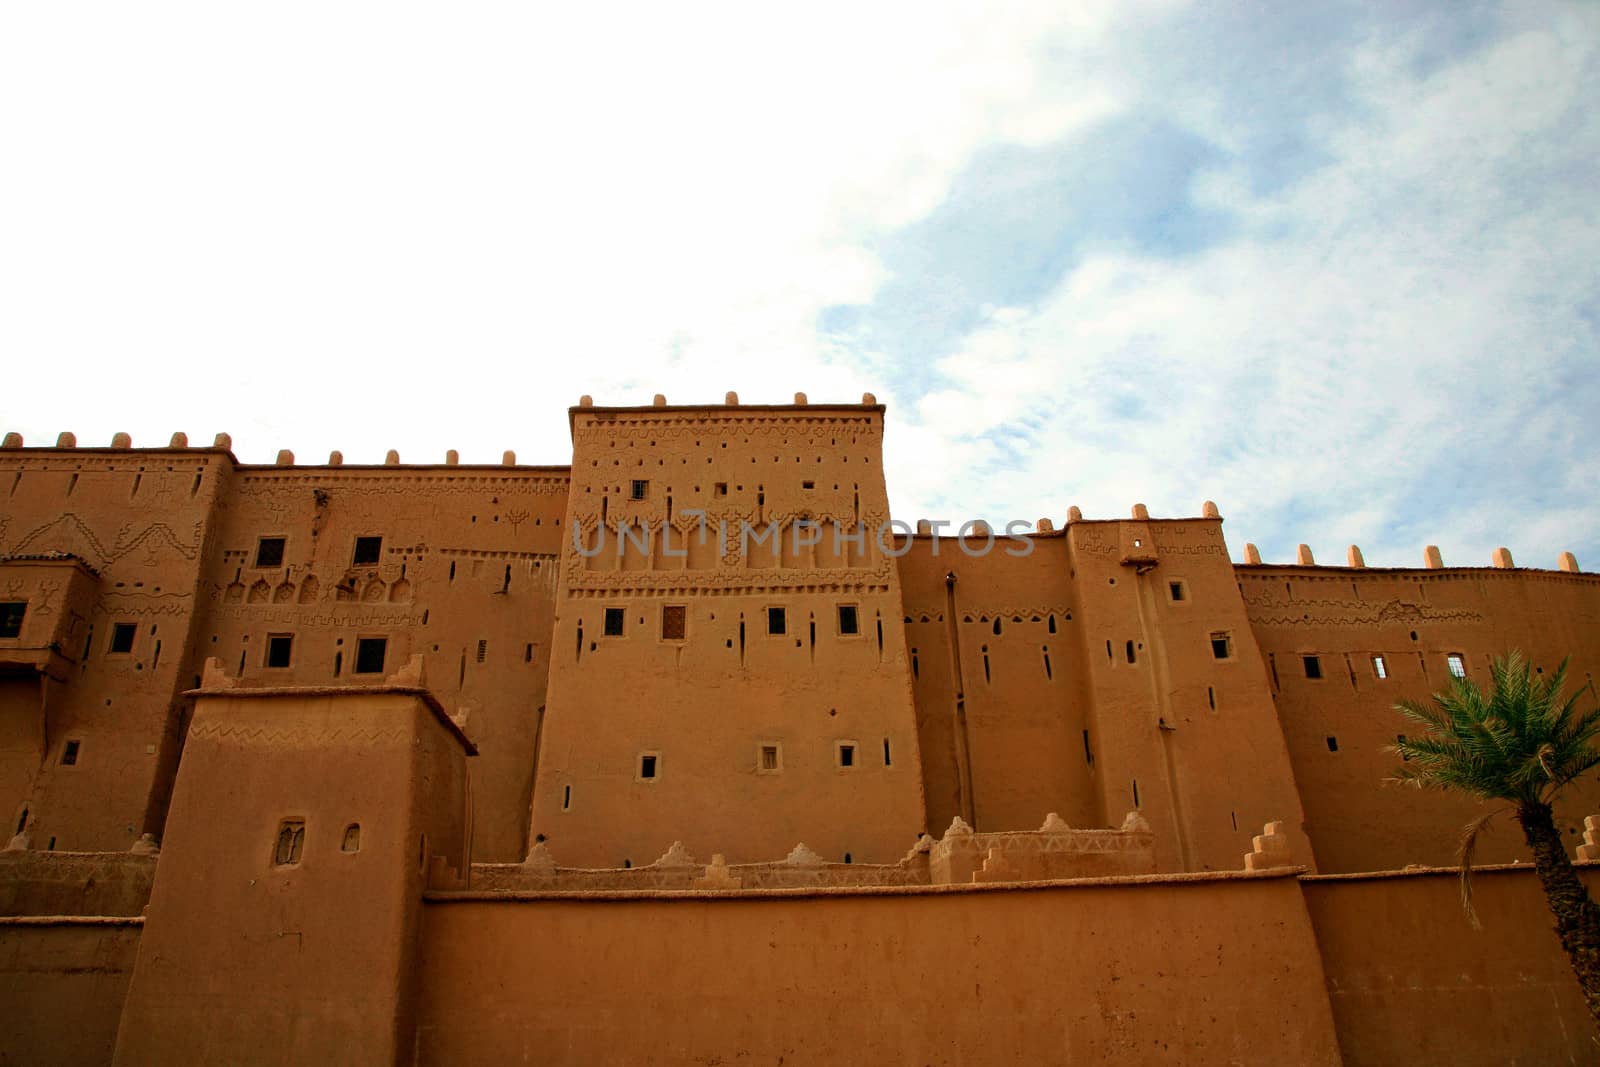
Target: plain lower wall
1200 969
1412 982
62 984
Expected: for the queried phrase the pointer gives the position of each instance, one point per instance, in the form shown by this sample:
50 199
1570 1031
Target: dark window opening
1221 646
269 551
1211 697
1313 666
566 798
886 761
1333 744
1136 792
721 489
291 840
122 637
1177 591
848 622
69 754
847 858
369 654
1401 738
769 757
527 653
368 550
279 649
11 614
1131 657
647 766
674 621
1088 753
808 485
847 755
613 622
777 621
639 489
483 649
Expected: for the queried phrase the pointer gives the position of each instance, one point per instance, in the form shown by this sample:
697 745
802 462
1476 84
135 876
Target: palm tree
1520 742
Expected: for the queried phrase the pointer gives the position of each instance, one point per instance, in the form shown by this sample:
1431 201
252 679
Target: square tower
729 664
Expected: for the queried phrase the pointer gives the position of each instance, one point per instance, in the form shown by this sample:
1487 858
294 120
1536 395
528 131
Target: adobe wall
264 948
999 681
75 883
139 520
1411 982
466 577
63 982
704 705
1413 619
1218 969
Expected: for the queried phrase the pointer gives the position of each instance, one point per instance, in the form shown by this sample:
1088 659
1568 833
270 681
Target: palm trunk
1577 917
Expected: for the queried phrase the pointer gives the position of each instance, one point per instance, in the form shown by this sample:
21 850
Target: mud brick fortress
683 752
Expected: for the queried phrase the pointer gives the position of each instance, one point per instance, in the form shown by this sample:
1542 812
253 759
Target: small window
352 838
69 754
777 621
122 637
1221 646
1313 666
11 614
269 552
291 840
279 649
674 617
614 617
1379 669
369 654
848 621
647 766
639 489
1333 744
721 489
1458 664
1177 591
368 550
770 759
808 485
483 649
847 754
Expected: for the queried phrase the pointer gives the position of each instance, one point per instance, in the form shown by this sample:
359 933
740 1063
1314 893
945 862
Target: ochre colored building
684 751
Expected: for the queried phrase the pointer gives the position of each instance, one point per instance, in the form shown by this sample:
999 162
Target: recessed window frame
274 642
1224 639
616 615
1456 664
653 756
288 844
363 642
12 615
681 613
842 761
1177 591
123 636
639 489
279 549
1311 663
1380 669
854 616
776 750
373 544
71 750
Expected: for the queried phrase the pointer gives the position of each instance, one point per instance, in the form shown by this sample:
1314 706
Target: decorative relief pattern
305 734
1277 611
68 533
400 483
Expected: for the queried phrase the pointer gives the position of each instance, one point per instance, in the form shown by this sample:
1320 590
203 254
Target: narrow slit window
1313 665
1132 658
269 551
69 754
614 617
280 649
1378 668
368 550
1458 664
11 614
566 798
849 623
370 653
674 622
887 762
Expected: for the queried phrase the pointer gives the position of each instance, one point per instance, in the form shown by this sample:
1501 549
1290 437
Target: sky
1331 266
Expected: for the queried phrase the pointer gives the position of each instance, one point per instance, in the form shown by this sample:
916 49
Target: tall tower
729 662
